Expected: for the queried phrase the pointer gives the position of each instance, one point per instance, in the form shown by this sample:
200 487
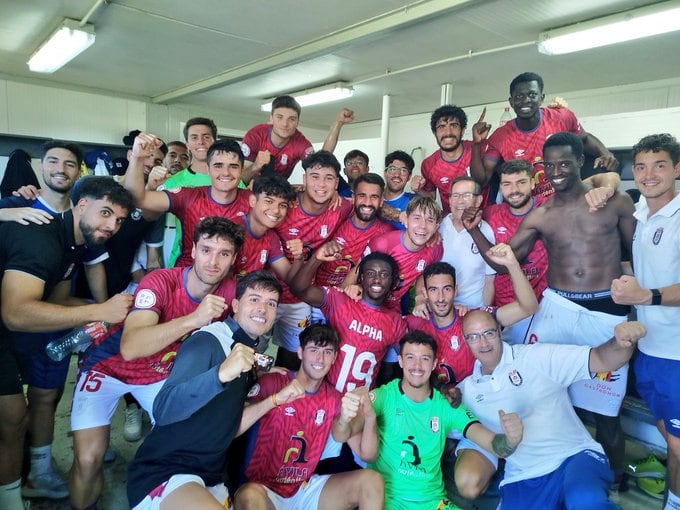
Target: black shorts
10 383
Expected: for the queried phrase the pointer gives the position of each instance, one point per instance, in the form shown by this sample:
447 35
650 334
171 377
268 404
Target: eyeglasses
489 334
355 162
393 169
465 196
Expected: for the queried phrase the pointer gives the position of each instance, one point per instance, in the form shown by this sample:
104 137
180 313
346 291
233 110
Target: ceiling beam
412 13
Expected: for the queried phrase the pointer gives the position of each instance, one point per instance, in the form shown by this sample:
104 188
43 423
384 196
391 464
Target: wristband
656 297
276 404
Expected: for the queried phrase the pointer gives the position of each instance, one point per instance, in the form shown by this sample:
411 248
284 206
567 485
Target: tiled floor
115 473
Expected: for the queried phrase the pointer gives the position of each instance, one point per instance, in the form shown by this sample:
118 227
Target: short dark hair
657 143
516 166
225 146
260 279
425 204
178 143
401 156
563 139
200 121
61 144
448 111
383 257
418 337
355 153
99 187
286 102
321 335
439 268
323 159
216 226
525 78
273 185
369 178
465 178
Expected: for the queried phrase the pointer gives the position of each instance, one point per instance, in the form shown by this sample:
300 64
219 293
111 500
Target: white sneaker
47 485
132 431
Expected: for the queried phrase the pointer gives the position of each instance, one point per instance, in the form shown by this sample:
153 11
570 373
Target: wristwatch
656 297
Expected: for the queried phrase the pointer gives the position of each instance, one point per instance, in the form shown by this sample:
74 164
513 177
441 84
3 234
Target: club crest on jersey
284 159
319 417
434 424
657 236
263 256
474 249
324 231
254 390
454 343
136 214
420 266
145 298
245 149
515 378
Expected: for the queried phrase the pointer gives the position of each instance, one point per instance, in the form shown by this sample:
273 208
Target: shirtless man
584 256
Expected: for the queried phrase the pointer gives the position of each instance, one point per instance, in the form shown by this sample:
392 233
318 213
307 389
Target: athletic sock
10 496
673 502
41 459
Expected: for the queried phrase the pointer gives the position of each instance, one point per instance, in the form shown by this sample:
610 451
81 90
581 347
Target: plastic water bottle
77 338
505 117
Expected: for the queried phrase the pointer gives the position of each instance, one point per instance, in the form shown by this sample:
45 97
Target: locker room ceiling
232 54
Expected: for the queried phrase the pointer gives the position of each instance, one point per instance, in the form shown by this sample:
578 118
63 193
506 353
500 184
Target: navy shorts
658 385
35 367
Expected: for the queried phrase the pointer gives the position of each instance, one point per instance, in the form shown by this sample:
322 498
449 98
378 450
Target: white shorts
96 396
291 319
155 498
561 321
466 444
307 495
517 333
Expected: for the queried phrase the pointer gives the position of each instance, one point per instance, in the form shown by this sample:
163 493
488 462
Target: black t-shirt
48 251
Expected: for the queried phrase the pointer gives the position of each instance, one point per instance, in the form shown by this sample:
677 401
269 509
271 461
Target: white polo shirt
532 381
462 253
656 263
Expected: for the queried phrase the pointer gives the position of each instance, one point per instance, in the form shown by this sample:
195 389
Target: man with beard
137 356
177 157
398 168
37 262
584 257
453 159
524 137
516 186
357 230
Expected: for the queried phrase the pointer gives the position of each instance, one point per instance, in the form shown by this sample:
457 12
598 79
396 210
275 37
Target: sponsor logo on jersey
145 298
515 378
319 417
434 424
657 236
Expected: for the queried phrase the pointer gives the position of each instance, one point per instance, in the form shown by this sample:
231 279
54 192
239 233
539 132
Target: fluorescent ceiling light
324 94
624 26
66 42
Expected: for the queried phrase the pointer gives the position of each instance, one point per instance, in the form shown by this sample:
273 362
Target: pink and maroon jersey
256 252
366 331
509 142
191 205
289 439
353 240
411 263
164 292
454 358
438 173
259 138
535 266
313 230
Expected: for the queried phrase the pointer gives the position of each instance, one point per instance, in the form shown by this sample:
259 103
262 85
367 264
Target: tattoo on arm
501 447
